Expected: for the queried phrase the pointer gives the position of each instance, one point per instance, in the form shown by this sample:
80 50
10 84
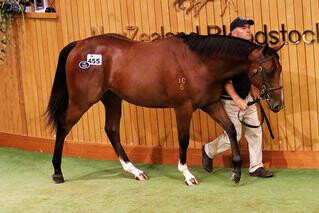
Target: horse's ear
277 48
264 49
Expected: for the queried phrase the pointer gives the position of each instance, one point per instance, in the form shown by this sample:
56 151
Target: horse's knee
111 130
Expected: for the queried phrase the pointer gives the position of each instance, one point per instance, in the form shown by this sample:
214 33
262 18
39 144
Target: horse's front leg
183 119
218 113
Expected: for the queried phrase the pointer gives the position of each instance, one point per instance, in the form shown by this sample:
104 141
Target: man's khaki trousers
252 135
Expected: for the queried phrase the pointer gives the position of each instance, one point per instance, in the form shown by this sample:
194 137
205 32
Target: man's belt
226 98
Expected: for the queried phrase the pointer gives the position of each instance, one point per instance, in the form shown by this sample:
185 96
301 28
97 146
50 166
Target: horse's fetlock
182 167
110 132
111 129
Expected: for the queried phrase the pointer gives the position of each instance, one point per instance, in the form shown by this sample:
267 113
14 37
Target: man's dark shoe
207 162
261 172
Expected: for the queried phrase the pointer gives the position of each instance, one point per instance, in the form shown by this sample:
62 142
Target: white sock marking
129 167
184 170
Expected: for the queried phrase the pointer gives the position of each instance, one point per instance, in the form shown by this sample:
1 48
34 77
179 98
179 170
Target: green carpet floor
102 186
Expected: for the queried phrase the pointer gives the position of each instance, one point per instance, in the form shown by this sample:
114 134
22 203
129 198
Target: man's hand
240 103
233 94
254 92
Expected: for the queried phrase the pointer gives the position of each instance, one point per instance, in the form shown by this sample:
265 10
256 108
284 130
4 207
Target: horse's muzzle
277 107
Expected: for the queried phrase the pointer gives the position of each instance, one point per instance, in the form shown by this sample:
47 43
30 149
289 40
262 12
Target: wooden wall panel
314 5
32 57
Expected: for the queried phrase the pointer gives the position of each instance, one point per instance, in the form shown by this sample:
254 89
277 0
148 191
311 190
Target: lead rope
263 117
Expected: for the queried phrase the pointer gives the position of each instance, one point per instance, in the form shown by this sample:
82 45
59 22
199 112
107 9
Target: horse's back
144 72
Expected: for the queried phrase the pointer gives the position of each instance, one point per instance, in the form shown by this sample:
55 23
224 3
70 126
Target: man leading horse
184 72
238 92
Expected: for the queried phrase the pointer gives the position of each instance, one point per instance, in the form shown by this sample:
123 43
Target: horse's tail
59 97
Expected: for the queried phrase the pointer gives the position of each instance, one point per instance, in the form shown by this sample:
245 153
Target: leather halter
264 94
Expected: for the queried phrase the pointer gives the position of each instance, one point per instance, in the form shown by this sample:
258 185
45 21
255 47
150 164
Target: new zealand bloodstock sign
263 36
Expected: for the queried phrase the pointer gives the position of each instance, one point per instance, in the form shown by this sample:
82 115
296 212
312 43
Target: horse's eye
270 72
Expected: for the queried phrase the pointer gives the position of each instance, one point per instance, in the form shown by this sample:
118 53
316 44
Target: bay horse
184 72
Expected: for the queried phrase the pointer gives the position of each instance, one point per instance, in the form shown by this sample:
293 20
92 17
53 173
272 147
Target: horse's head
264 73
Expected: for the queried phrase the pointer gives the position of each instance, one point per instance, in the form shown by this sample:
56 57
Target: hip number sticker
94 59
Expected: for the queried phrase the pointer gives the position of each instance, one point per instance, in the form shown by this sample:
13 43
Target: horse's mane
208 45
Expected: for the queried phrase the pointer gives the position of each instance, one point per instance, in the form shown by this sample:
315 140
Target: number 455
94 61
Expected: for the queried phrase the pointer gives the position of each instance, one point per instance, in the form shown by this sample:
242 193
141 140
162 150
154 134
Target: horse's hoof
235 177
58 178
142 176
191 182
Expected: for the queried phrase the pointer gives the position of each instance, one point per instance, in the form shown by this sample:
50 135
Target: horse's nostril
277 108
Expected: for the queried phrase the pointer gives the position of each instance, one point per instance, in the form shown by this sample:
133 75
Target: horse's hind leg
183 119
218 113
71 117
112 104
61 133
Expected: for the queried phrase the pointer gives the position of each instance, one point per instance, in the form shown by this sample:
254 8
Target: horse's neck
227 68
